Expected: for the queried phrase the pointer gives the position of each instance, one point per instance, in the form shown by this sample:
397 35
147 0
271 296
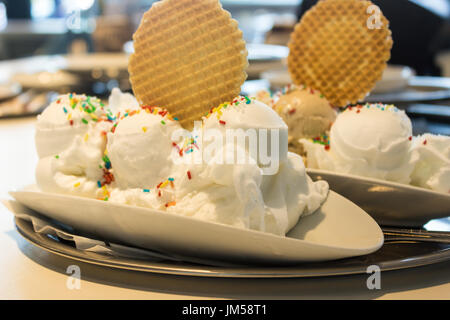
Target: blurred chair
418 33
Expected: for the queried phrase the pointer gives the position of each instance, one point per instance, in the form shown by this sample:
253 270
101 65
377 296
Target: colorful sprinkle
107 161
323 140
170 204
108 176
164 184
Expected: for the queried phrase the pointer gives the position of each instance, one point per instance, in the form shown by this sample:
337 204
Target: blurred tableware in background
398 85
9 90
443 60
277 78
115 65
419 88
59 81
28 103
395 78
282 28
263 57
100 72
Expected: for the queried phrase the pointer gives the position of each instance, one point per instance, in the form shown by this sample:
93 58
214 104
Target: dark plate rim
183 269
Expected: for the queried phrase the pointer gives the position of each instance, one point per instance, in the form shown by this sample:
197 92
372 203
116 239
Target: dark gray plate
394 255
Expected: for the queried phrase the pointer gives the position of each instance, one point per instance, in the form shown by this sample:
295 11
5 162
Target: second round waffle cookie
189 57
340 47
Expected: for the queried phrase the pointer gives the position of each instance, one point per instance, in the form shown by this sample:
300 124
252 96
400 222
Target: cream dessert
140 147
70 141
371 140
375 140
307 113
141 156
432 168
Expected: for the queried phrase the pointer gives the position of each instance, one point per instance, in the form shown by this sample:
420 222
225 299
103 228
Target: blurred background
56 46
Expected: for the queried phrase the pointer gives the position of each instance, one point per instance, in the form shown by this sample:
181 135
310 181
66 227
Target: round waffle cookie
340 47
189 57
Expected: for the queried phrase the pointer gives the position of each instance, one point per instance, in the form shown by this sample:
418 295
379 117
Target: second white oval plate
389 203
338 230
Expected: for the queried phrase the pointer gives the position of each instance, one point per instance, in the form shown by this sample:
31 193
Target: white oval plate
389 203
338 230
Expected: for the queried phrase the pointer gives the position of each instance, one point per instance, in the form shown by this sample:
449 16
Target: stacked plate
340 238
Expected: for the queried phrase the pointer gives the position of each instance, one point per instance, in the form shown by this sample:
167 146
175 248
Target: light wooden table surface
27 272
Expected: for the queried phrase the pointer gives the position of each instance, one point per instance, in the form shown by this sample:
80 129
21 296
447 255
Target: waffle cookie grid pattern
189 57
332 49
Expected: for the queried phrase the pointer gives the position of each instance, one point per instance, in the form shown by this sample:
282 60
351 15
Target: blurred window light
3 17
439 7
78 5
42 8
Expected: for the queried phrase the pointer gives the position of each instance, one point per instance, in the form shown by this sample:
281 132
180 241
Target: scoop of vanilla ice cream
140 148
65 119
432 169
70 140
264 131
266 202
307 113
370 140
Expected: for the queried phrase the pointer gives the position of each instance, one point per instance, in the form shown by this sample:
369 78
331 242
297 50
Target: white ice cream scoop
252 122
71 140
140 148
432 169
370 140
